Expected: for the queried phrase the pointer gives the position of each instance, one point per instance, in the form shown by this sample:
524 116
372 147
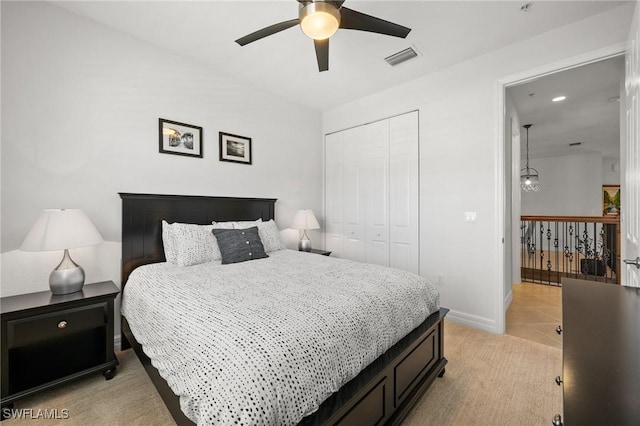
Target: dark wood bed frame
383 393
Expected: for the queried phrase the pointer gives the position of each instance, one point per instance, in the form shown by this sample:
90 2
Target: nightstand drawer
26 331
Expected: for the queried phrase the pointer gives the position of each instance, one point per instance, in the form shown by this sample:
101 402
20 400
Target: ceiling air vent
403 55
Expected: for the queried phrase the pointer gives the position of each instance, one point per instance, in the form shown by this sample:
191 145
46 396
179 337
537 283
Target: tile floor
535 312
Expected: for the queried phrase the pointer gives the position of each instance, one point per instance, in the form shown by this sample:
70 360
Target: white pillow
270 236
247 223
222 225
168 242
243 224
188 244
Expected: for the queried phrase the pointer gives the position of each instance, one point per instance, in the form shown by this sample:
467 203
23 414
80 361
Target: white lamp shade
305 219
61 229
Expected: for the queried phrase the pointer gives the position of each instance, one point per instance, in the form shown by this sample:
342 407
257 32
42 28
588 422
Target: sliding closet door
403 197
353 195
334 184
376 192
372 192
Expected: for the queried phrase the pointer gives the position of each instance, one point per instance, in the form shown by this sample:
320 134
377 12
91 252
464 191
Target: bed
382 393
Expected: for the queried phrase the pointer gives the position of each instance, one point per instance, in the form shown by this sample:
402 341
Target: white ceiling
588 115
443 32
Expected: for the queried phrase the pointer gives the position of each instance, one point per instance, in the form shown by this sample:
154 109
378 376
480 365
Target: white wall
459 161
570 185
80 108
610 171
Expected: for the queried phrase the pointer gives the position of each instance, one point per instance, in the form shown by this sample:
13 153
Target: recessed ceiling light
525 7
559 98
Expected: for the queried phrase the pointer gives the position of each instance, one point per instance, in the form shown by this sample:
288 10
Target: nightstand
50 339
322 252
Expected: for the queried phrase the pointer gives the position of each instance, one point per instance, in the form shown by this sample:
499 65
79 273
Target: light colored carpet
490 380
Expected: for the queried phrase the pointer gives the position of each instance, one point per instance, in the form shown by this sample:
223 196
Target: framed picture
610 200
180 138
234 148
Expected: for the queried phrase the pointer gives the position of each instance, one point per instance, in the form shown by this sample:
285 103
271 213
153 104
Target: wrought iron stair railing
585 247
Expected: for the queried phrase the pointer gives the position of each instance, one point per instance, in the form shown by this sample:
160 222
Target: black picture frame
235 148
179 138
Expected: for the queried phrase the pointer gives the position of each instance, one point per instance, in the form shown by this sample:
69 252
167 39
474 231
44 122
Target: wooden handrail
589 219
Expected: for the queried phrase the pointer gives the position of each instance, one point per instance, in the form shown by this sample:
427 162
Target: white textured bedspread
267 341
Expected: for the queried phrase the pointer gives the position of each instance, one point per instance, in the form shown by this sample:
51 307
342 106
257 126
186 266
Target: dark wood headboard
142 216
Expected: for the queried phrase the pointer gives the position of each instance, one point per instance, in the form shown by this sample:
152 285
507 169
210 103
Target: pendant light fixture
529 179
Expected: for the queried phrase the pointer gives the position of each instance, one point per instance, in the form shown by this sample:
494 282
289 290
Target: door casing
504 246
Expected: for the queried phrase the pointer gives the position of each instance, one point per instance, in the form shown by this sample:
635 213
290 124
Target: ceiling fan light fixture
319 20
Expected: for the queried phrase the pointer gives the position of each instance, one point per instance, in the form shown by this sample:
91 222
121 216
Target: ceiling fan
320 19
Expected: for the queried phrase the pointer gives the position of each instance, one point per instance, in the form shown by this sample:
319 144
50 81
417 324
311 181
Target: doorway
573 149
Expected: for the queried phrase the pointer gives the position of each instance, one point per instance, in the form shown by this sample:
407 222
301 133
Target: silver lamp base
305 243
68 277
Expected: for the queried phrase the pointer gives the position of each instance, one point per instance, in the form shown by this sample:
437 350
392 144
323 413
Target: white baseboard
508 300
472 321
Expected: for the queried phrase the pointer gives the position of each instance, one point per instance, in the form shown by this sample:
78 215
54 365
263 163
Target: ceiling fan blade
322 54
353 20
267 31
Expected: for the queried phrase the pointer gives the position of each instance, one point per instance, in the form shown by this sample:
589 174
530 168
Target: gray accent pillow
239 245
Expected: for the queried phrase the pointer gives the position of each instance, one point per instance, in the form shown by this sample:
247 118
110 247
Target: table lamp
305 219
63 229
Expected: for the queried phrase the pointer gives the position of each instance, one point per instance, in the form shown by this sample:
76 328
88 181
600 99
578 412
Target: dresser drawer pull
557 420
559 329
62 324
558 380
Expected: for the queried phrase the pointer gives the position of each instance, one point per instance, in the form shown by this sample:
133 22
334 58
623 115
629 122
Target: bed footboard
387 390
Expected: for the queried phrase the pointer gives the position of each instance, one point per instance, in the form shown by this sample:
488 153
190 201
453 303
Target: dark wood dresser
51 339
601 354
